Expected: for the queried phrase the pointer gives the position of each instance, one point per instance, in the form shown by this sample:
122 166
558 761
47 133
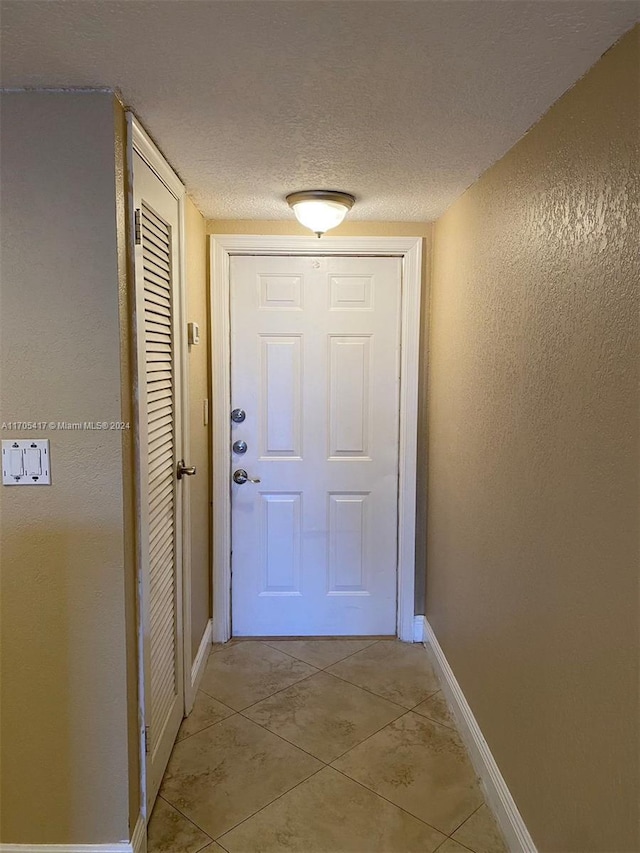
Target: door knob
240 446
188 470
240 476
238 415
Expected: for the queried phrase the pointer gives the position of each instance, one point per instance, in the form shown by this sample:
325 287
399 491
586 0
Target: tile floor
320 746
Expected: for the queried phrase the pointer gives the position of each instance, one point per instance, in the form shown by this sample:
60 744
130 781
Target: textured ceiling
404 104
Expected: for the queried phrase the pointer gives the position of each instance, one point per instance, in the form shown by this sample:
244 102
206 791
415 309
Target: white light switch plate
25 462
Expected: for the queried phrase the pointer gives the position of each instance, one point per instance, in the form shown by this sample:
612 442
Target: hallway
321 746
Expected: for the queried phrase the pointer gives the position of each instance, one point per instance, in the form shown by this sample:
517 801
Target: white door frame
139 141
222 248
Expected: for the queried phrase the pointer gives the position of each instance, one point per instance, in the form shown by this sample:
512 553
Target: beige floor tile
205 712
171 832
246 672
480 833
420 766
451 846
324 715
225 773
233 641
400 672
436 708
320 653
331 814
213 848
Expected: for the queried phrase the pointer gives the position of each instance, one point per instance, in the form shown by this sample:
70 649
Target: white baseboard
139 838
499 798
200 662
418 629
138 844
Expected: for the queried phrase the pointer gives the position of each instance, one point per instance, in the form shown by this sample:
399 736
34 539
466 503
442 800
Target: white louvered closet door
158 349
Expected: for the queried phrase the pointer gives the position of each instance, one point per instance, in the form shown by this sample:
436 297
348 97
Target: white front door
159 351
315 365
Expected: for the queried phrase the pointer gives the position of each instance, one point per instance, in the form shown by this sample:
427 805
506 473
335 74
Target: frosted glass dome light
320 210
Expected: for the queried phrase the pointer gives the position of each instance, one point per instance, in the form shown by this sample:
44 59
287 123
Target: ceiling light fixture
320 210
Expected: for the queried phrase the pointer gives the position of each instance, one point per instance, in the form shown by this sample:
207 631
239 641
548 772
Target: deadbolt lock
240 476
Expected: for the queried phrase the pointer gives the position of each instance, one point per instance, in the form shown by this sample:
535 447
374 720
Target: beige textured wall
199 486
288 227
532 580
64 744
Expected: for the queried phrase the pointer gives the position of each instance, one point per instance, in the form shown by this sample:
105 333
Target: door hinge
138 230
147 748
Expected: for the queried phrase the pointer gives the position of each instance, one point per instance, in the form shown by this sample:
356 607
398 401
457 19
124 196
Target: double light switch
25 462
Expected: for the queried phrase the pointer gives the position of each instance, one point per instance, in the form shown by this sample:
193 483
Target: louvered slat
155 487
154 220
156 266
155 393
157 326
157 372
156 262
162 546
160 460
156 246
160 424
157 283
157 312
156 299
160 437
154 238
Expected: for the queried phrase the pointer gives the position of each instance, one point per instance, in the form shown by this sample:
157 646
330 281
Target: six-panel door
315 365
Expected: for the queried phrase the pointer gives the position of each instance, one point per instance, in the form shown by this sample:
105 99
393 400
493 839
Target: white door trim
139 141
222 248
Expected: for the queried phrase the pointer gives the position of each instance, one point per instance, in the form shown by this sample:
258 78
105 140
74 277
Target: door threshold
321 637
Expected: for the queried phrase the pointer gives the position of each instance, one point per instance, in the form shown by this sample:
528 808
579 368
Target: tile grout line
239 714
188 819
244 708
323 668
328 763
404 710
204 728
408 711
271 802
282 738
382 797
459 843
275 693
208 725
331 675
463 823
400 705
362 785
365 739
326 669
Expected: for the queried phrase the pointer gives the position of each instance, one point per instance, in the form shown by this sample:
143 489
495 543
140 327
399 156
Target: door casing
140 142
222 247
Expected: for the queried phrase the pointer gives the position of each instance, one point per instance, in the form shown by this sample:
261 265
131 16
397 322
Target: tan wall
199 486
288 227
532 584
64 744
372 229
